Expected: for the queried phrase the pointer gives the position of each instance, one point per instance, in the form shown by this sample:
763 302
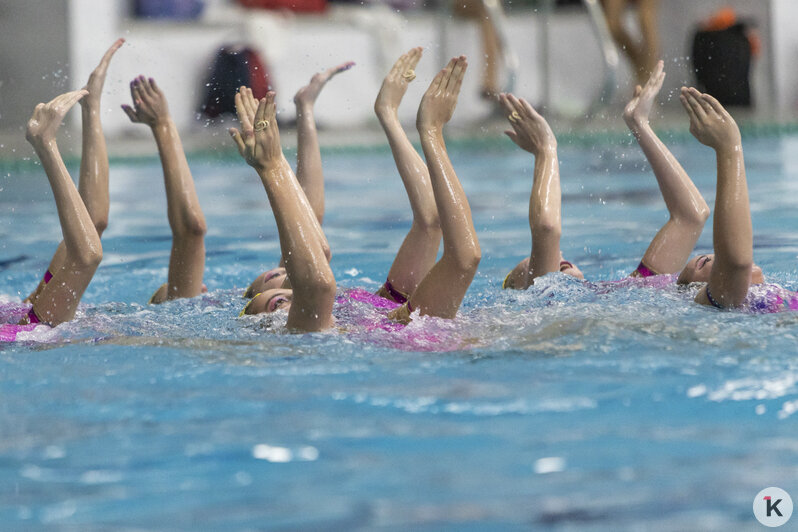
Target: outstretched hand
258 142
530 130
97 77
395 83
149 103
47 117
710 123
307 95
639 107
438 103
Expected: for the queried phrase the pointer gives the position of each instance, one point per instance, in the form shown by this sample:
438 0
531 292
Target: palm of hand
47 117
391 93
533 136
436 108
151 111
715 130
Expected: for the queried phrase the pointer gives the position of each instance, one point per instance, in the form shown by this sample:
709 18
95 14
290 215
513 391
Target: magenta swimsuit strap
32 317
644 271
397 296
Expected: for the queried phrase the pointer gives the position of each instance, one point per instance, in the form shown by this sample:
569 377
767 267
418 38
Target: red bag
302 6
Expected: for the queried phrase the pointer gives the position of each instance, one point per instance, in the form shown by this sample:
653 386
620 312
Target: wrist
730 149
162 125
547 152
386 113
429 131
304 110
42 145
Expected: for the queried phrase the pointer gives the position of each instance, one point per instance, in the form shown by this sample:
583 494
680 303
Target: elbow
198 227
698 217
429 223
324 285
468 260
89 257
548 227
101 224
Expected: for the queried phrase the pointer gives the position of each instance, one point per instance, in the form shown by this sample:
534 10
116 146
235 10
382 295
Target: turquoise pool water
557 408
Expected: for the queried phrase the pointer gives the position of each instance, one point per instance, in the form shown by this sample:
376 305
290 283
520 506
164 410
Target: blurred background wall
48 46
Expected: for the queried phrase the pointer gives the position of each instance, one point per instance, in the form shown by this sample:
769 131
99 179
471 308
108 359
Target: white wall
51 45
34 57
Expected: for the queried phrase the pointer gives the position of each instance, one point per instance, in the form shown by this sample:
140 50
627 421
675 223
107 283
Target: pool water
555 408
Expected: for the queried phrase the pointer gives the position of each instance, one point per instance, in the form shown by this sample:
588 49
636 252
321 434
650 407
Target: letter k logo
772 506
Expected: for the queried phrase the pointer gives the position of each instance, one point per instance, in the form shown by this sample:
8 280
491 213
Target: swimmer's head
266 281
269 301
698 269
569 268
517 277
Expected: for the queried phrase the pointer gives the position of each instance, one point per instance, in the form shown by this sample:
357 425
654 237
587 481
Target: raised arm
671 246
308 158
732 235
93 183
311 277
531 132
187 259
58 299
419 249
442 290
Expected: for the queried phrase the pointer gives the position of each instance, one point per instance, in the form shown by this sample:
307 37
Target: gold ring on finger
514 116
409 75
261 125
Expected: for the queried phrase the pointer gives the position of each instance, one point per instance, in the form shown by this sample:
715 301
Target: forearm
450 199
309 171
76 225
732 233
681 196
183 208
93 182
412 169
545 214
297 225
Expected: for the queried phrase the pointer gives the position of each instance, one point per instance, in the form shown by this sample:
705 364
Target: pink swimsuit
359 311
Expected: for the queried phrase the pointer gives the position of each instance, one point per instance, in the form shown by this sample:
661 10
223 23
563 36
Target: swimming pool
554 408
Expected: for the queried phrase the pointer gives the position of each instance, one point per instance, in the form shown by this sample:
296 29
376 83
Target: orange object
722 19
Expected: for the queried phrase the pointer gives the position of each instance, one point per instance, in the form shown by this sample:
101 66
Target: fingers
441 79
715 104
695 106
155 88
145 86
705 105
530 111
343 67
242 109
131 114
504 101
250 102
456 75
656 74
106 59
512 134
64 102
237 139
269 111
266 110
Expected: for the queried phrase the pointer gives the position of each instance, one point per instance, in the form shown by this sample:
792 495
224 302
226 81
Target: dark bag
722 62
233 67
